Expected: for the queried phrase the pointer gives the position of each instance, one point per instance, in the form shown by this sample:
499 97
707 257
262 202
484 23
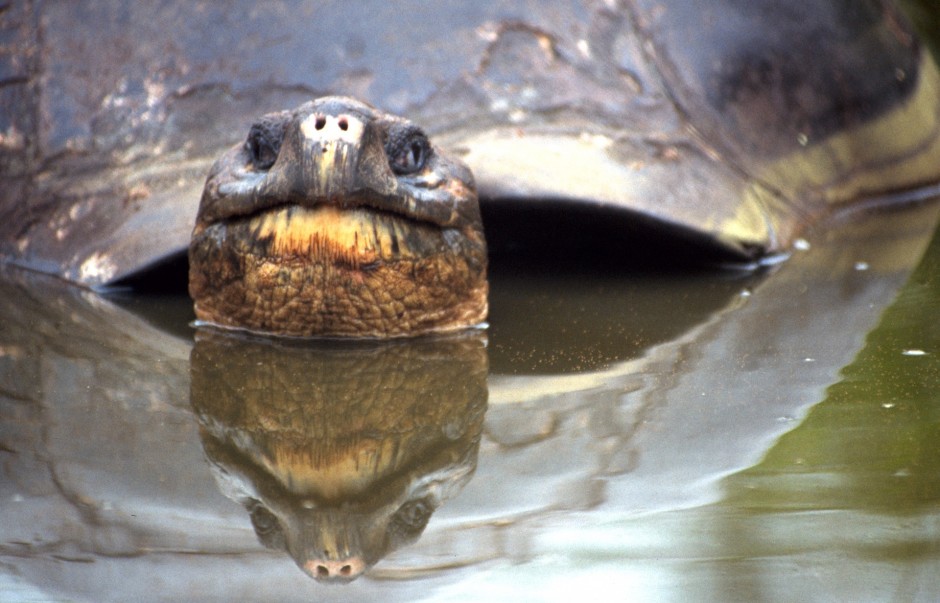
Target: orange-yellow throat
349 236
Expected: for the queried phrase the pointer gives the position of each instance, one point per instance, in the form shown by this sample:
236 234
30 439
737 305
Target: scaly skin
338 220
340 452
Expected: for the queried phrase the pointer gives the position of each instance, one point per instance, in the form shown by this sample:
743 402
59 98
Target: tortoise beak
319 161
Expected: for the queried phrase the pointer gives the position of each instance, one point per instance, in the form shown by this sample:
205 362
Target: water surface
652 437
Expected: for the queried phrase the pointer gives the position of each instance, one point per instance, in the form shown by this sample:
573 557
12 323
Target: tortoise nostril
321 121
343 124
341 570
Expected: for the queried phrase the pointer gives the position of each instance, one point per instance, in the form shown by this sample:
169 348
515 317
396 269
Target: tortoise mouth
246 198
357 237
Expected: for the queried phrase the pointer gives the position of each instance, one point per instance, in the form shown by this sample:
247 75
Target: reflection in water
577 323
855 486
339 451
872 442
629 475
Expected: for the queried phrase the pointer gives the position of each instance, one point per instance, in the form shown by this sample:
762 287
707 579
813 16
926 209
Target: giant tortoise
733 124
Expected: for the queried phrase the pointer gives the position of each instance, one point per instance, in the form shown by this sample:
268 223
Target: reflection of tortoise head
339 451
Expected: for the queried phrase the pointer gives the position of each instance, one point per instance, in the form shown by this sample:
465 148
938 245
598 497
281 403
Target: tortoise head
337 219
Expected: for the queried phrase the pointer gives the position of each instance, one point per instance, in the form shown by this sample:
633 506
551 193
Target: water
709 437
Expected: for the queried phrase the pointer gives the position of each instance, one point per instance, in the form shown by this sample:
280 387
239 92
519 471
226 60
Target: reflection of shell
329 419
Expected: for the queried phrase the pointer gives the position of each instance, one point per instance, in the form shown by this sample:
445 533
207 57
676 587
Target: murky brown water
646 438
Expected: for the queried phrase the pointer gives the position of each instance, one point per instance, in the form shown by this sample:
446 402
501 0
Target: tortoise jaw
354 238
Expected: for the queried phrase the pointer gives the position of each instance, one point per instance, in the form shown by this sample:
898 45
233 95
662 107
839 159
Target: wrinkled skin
339 452
336 219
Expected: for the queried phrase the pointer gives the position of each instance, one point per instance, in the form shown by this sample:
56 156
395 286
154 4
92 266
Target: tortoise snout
340 570
325 129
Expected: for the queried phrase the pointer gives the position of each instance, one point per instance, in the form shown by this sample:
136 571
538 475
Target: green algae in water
872 443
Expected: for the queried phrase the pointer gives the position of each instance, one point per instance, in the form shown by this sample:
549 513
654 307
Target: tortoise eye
264 140
412 517
408 150
263 520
